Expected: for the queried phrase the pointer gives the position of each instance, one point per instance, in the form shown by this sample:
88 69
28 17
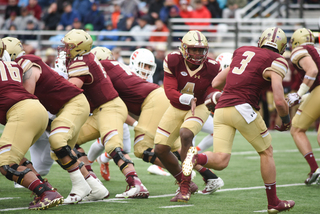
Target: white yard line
8 198
175 206
122 200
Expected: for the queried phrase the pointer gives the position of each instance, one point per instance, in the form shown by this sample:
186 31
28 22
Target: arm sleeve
171 88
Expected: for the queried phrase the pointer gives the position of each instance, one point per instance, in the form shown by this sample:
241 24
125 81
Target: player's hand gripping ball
212 99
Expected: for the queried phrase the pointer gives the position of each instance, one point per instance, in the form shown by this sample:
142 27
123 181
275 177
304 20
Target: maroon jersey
52 90
179 79
302 51
98 87
132 89
245 80
11 88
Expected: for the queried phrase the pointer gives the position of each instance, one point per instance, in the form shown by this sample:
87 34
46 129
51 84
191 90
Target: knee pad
78 153
176 153
12 170
118 154
63 152
147 153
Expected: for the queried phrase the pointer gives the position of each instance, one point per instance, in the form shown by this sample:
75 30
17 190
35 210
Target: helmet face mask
142 62
275 38
60 62
302 36
194 47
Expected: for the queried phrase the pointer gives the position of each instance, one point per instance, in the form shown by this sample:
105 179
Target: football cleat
193 188
212 185
80 188
104 169
16 185
157 170
282 206
184 192
98 192
47 199
190 161
136 191
313 177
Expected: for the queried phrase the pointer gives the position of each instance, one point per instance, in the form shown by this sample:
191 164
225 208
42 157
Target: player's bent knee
13 170
64 152
161 150
118 154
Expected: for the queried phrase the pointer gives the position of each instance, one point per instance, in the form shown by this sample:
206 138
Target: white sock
95 150
206 143
105 159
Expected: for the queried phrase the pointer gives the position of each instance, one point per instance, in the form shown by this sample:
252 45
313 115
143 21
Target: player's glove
293 99
283 127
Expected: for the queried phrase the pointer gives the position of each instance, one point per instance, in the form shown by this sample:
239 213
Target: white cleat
157 170
16 185
212 185
99 191
193 174
189 162
136 191
80 188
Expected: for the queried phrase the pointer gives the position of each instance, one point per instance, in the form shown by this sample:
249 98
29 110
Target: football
212 99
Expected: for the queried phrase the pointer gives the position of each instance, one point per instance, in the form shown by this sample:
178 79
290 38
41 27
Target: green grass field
243 191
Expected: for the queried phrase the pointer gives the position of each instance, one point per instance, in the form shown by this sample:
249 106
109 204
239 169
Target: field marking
8 198
122 200
260 211
175 206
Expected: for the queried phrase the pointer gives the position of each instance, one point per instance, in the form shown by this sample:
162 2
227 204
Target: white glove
293 99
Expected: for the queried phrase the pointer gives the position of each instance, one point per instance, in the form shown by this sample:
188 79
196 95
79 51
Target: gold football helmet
102 53
13 47
273 37
302 36
77 42
2 48
194 39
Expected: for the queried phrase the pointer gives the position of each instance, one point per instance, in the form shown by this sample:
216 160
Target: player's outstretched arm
220 80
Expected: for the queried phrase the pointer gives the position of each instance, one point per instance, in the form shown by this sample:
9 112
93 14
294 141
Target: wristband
286 119
309 78
135 124
303 89
185 99
214 97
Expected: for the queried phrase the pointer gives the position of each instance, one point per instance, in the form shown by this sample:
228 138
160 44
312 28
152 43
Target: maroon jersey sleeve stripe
282 63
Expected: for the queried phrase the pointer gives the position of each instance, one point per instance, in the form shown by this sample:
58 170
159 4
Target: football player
252 70
25 119
187 82
71 110
305 58
108 111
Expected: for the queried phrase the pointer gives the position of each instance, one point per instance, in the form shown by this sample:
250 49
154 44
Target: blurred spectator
31 26
116 52
82 6
51 17
144 30
160 54
130 6
200 12
109 37
34 9
169 5
154 10
214 8
115 16
51 55
23 3
44 3
12 7
12 28
12 20
67 17
89 27
177 2
56 40
222 3
77 24
160 27
125 24
60 5
174 13
28 48
25 18
185 10
95 17
232 6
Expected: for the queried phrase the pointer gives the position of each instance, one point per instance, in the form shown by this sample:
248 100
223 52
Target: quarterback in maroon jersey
108 111
306 59
71 108
187 82
252 70
25 119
